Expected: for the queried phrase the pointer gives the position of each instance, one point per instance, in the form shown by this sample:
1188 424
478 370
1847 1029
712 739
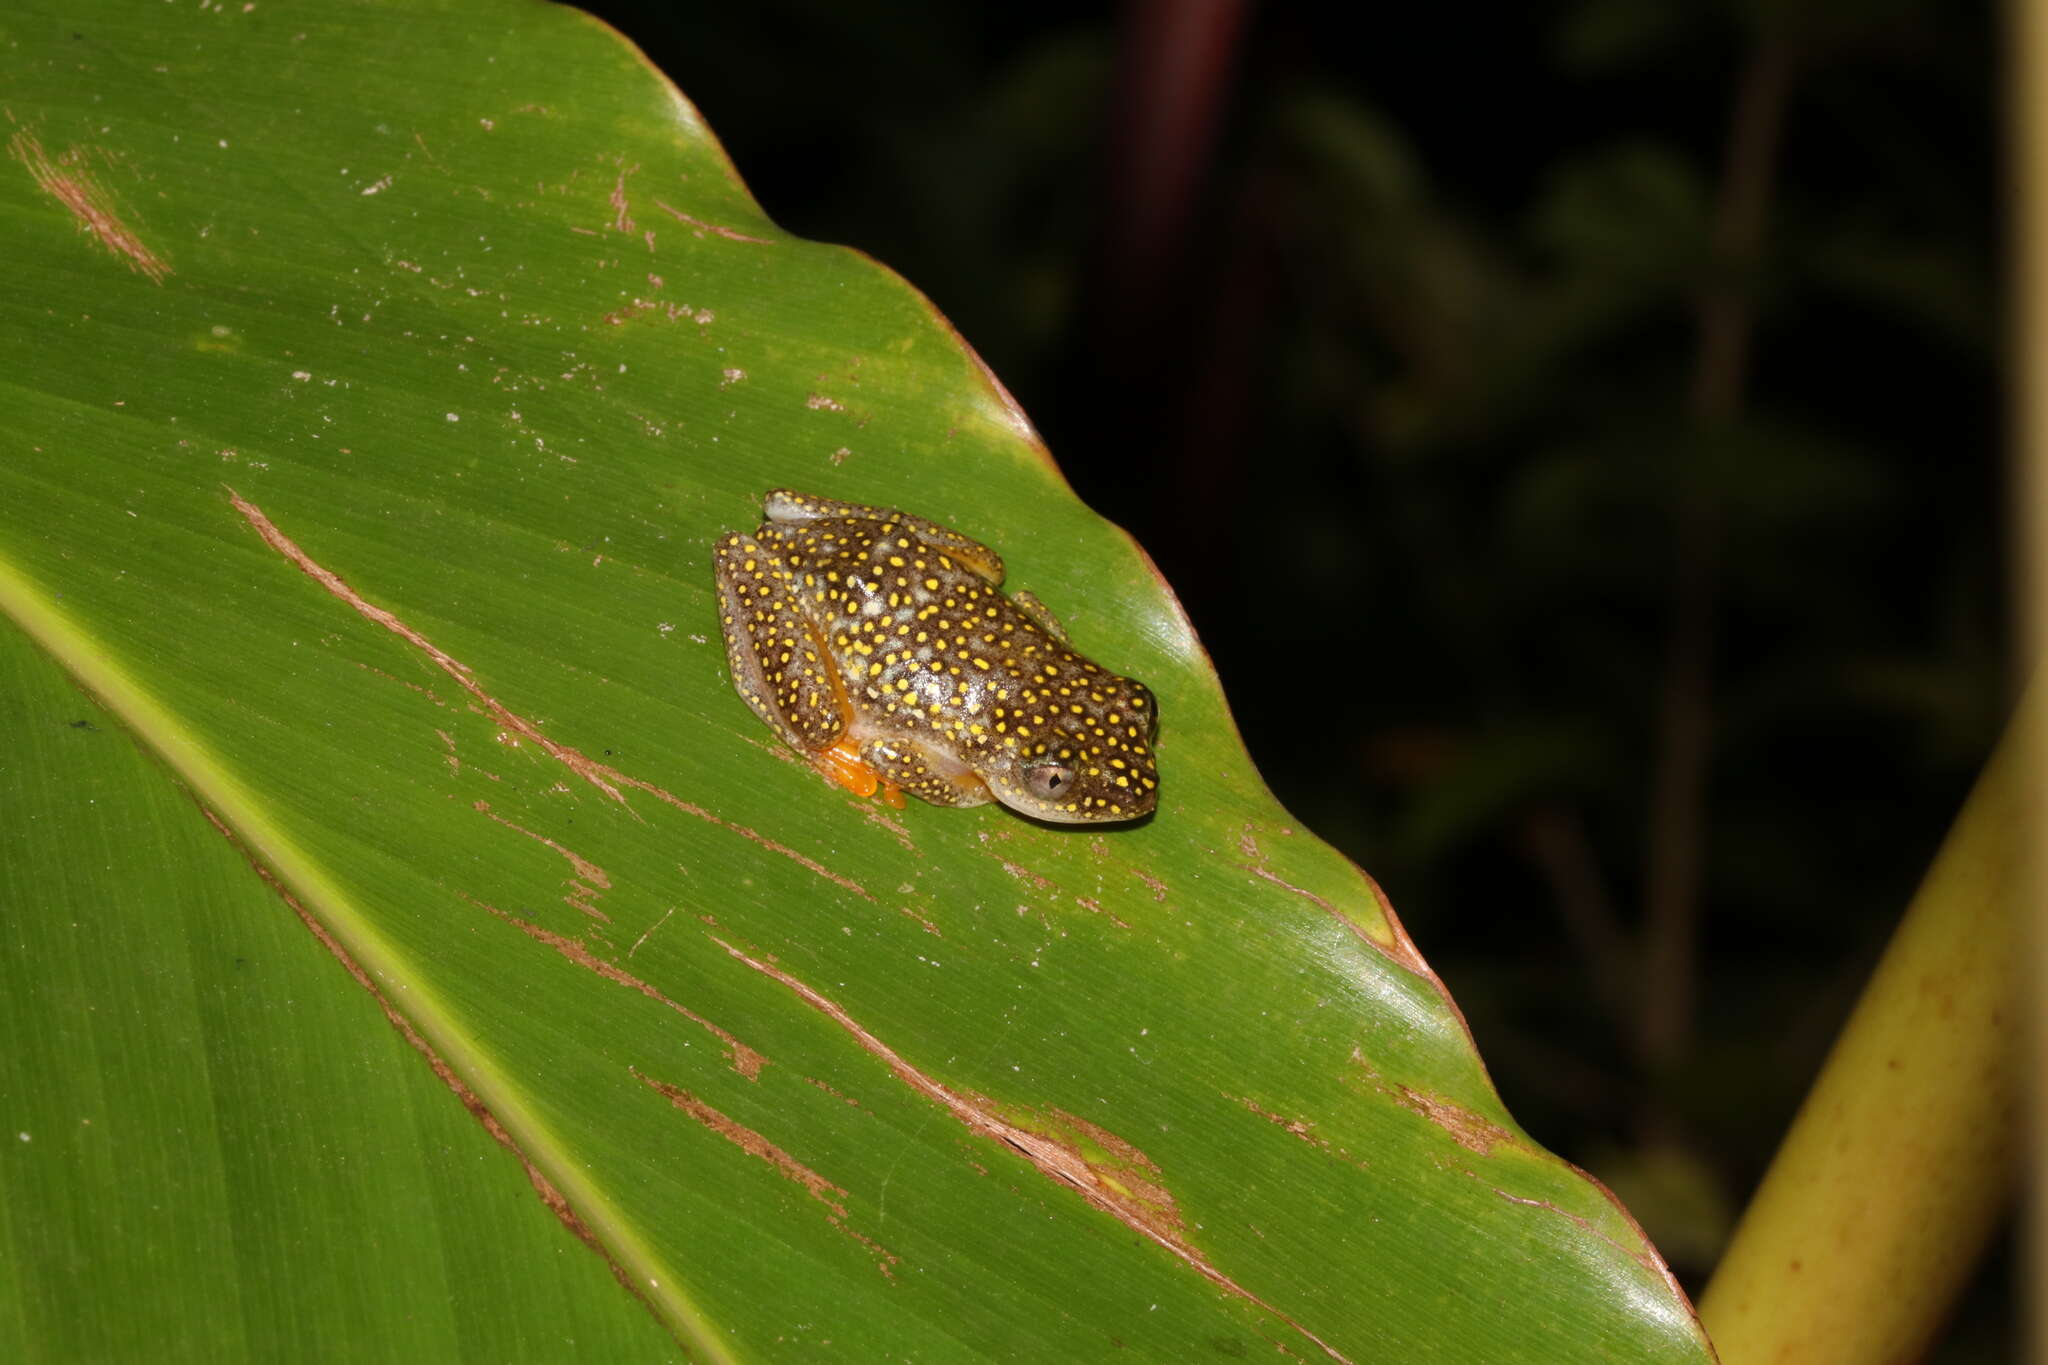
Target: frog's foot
909 765
844 765
778 666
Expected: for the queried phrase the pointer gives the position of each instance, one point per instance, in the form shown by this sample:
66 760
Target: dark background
1607 391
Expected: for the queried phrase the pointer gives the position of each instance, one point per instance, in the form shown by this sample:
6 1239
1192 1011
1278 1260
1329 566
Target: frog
882 647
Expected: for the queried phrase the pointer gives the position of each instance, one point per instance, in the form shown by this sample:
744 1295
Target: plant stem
1677 832
1892 1178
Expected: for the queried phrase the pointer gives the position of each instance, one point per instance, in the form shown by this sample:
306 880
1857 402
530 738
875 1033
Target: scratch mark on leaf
1094 907
752 1143
1128 1193
650 931
1039 881
835 1094
1399 948
692 808
589 770
922 922
1473 1132
787 1166
1300 1128
878 815
409 685
745 1060
1641 1255
1257 867
604 777
68 182
584 897
557 1203
622 214
700 227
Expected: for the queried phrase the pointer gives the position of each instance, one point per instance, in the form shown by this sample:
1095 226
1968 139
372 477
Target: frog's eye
1049 781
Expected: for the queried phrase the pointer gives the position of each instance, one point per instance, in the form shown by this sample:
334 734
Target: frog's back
924 642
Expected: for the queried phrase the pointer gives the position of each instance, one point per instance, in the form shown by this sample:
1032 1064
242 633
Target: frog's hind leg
907 764
778 665
785 506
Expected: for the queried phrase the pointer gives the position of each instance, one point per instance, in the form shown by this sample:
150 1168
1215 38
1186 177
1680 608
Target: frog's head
1088 757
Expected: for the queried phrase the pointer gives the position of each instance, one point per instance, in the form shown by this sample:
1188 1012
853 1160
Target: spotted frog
881 646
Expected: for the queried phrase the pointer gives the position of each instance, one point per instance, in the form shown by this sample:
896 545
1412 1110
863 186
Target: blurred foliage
1423 443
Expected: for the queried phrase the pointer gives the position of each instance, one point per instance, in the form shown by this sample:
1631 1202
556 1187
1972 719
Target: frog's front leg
779 666
1040 614
929 777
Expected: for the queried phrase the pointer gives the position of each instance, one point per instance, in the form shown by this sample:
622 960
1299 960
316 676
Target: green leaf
419 938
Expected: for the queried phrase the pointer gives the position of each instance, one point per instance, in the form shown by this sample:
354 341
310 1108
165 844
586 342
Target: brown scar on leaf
604 777
68 182
744 1059
556 1202
1474 1132
700 227
1471 1131
583 897
787 1166
1300 1128
1128 1186
1157 887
